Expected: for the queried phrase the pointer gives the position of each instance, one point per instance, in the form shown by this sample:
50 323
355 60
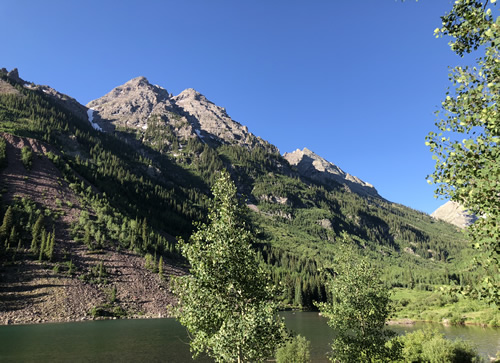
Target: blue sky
357 82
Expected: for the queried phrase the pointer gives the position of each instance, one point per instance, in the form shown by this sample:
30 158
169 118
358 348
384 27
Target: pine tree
50 245
87 238
43 243
8 221
160 268
101 271
35 232
298 292
13 237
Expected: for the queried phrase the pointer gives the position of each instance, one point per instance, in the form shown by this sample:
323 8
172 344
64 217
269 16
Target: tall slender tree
36 232
226 302
7 223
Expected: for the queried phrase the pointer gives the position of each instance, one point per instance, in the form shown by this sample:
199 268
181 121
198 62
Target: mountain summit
315 167
454 213
131 104
190 114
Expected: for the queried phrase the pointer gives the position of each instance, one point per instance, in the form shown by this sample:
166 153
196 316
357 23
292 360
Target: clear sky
357 82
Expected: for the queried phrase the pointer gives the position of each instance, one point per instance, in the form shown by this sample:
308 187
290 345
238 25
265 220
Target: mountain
315 167
112 193
65 101
454 213
189 114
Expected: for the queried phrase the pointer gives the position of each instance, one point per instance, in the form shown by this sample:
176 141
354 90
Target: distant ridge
315 167
454 213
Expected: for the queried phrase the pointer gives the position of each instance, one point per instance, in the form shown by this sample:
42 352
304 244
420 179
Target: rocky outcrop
67 102
131 104
5 86
190 114
454 213
212 122
315 167
14 75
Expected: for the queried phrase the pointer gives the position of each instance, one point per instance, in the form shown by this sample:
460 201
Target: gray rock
315 167
190 114
454 213
14 75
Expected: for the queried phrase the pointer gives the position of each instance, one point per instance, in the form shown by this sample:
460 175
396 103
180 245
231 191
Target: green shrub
3 152
295 350
404 302
26 157
119 312
428 345
454 318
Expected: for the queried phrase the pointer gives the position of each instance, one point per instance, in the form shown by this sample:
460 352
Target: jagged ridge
315 167
190 113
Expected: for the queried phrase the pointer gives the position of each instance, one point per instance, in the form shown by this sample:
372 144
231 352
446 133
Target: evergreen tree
226 301
13 236
35 232
43 244
298 299
160 267
8 221
50 245
26 157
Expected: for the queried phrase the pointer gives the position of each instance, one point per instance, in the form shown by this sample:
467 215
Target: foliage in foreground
466 146
358 310
426 345
294 351
226 302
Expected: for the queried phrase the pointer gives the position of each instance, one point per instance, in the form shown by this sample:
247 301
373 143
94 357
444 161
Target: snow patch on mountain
198 133
90 114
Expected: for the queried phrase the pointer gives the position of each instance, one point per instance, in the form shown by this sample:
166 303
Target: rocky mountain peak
454 213
213 121
190 113
140 87
12 75
315 167
132 103
190 93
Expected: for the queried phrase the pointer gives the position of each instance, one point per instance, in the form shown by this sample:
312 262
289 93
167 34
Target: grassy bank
442 308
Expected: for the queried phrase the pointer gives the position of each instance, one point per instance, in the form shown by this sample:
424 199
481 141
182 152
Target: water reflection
165 340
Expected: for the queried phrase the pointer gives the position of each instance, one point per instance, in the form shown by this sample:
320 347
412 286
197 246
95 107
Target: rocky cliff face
190 113
132 104
454 213
315 167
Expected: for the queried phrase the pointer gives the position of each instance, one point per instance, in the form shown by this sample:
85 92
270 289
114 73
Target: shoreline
410 322
85 318
81 320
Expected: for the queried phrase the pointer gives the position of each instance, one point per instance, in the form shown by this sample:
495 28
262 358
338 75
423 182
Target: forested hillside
132 190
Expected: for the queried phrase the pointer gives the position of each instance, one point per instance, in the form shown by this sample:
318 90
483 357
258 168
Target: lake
165 340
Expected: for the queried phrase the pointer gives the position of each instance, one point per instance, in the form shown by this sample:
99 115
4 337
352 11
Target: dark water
315 328
165 340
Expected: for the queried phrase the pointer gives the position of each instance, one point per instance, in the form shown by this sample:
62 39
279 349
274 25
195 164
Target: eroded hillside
76 280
